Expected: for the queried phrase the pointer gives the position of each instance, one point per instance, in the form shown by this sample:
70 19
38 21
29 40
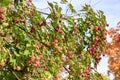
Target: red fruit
28 3
96 39
98 60
32 58
38 63
96 28
8 26
84 75
41 23
11 8
56 53
2 11
30 0
86 71
73 34
100 28
32 29
39 46
53 43
92 50
2 17
46 69
69 52
37 58
30 62
75 28
60 31
104 37
16 20
24 79
57 77
56 41
23 21
64 59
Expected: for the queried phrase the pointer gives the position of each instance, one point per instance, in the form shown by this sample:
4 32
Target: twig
16 76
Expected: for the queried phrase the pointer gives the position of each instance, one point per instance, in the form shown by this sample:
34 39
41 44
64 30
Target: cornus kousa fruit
55 42
28 3
30 0
96 28
16 20
32 29
46 68
56 53
2 11
64 59
2 17
75 28
69 52
100 28
98 60
35 61
57 77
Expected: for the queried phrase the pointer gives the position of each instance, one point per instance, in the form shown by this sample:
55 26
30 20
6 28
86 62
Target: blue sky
111 8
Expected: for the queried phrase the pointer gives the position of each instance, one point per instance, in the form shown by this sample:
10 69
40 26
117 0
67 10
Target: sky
111 9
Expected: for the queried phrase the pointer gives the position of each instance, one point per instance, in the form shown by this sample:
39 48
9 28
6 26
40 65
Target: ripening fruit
39 46
56 53
72 34
57 77
28 3
104 37
69 52
30 0
32 58
35 65
96 39
98 60
75 28
32 29
86 71
8 26
56 41
37 58
60 31
2 11
46 69
96 28
2 17
37 62
100 28
64 59
16 20
53 43
18 68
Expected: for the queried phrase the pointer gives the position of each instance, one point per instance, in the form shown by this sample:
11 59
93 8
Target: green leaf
72 8
13 60
26 52
16 53
4 3
64 1
50 4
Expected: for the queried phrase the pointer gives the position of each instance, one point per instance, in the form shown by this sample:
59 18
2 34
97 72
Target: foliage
113 51
39 48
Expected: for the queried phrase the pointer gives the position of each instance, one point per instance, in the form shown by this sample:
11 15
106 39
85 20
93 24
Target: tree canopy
39 48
